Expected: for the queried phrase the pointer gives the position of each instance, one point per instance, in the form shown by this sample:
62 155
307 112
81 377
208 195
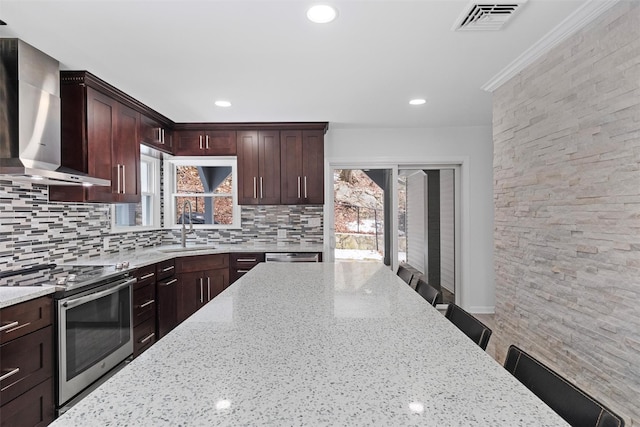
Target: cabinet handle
242 271
8 326
298 187
261 187
200 137
201 291
305 187
207 142
246 260
171 282
119 176
255 188
146 276
124 180
151 301
147 338
9 374
208 288
162 140
171 267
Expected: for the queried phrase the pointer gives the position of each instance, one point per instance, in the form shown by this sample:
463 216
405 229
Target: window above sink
210 184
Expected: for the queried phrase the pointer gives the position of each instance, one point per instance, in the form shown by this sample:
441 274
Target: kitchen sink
174 249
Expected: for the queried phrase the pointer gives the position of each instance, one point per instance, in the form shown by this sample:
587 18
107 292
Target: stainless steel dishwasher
292 257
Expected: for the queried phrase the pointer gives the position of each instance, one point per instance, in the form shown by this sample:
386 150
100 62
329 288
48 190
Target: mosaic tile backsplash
34 230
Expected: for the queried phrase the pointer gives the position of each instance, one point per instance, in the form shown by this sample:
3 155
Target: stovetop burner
68 278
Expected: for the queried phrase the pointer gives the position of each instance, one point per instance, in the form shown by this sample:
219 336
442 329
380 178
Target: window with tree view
209 187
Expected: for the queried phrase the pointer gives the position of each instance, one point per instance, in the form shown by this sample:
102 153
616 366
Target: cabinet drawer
144 335
144 303
201 263
166 268
26 317
145 275
34 408
26 362
246 260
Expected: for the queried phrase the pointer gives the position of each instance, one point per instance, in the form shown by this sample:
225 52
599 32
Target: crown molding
569 26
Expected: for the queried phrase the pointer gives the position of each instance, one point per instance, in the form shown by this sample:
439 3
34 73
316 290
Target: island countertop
328 344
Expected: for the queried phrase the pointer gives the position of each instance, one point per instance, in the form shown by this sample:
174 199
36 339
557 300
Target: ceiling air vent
489 16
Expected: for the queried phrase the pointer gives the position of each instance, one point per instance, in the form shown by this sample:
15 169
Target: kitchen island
314 344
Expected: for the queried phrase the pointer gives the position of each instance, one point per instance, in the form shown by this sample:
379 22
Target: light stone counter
10 295
345 344
152 255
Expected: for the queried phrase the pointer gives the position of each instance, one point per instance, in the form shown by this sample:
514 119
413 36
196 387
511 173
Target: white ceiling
274 65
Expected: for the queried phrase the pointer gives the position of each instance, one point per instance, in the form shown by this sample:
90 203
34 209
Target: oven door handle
113 289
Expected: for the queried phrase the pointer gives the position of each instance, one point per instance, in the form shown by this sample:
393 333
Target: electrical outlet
282 234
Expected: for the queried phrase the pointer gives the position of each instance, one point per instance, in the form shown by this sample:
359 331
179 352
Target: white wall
470 146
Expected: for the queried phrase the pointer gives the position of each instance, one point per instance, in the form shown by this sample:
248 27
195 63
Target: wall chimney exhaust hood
30 118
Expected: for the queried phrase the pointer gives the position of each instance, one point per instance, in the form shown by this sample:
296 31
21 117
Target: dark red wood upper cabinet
302 162
126 156
204 143
154 134
258 167
100 138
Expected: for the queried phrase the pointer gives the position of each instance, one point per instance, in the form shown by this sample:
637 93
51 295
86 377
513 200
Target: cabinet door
291 167
215 282
190 294
126 154
152 133
167 305
313 167
220 143
269 167
248 167
101 114
188 143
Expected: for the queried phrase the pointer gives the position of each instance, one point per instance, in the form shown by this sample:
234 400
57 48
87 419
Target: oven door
94 335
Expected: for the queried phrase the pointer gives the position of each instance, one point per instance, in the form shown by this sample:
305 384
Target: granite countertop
10 295
319 345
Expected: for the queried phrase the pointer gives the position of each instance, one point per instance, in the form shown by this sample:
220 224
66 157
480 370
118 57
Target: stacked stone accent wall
567 209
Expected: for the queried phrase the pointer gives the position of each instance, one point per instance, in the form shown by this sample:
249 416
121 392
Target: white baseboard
482 309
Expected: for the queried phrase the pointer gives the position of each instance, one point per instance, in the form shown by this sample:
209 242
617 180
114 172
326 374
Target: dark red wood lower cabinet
33 408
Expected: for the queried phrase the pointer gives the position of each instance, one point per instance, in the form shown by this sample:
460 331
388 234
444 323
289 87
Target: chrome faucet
185 205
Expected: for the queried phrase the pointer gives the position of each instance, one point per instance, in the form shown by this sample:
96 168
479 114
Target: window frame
171 162
154 167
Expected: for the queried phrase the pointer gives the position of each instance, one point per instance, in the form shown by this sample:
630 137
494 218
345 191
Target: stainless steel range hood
30 118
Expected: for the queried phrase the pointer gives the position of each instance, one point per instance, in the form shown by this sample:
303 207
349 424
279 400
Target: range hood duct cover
30 144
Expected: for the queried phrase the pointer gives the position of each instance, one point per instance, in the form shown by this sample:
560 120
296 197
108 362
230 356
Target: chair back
405 274
572 404
472 327
427 292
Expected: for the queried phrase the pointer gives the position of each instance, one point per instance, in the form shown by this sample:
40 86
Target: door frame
462 216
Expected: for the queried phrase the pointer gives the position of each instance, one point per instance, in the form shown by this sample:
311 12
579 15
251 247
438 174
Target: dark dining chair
472 327
427 292
572 404
405 274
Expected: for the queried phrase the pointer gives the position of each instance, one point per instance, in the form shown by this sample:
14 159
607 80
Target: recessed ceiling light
417 101
321 14
223 103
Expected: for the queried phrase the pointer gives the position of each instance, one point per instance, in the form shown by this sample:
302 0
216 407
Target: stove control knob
119 266
61 281
125 264
71 277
